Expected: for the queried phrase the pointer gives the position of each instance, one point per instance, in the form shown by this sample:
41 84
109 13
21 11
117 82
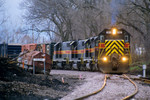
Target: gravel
116 88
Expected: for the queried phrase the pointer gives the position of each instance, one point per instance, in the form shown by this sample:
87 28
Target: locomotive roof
70 42
57 44
91 39
123 30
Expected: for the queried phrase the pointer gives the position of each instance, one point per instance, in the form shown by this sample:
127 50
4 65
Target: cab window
126 38
102 38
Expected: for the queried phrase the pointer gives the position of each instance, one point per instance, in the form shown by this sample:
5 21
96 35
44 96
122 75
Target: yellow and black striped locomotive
108 52
114 51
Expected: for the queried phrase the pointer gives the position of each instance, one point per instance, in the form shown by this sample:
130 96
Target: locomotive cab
114 51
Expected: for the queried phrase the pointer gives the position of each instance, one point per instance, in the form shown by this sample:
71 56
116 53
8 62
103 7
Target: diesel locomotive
114 51
108 52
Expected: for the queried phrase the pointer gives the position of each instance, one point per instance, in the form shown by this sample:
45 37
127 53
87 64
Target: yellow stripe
114 51
90 50
121 43
63 52
111 49
107 43
119 46
121 52
114 47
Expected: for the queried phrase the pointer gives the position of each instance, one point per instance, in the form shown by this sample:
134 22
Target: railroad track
136 88
104 84
147 81
86 96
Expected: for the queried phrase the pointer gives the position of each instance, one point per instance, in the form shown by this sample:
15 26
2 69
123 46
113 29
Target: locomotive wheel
79 67
91 67
63 66
55 67
71 66
98 67
68 67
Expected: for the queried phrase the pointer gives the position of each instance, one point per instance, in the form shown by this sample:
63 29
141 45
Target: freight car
10 50
3 50
108 52
33 51
26 60
45 48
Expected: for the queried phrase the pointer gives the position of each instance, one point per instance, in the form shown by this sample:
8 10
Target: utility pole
32 33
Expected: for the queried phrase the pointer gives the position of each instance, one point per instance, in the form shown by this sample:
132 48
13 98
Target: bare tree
56 11
69 19
3 19
136 14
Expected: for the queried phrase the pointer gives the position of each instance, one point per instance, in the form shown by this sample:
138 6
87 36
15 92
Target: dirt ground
18 84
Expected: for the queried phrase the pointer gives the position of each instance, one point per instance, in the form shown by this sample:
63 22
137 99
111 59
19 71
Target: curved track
136 89
104 84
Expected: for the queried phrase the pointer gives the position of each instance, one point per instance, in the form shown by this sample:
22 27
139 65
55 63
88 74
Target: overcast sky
14 12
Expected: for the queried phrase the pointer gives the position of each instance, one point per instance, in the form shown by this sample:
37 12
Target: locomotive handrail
130 60
99 55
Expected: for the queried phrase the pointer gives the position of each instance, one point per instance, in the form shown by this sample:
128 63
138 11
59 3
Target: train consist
108 52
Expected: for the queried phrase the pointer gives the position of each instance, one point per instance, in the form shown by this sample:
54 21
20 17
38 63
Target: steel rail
136 88
83 97
142 80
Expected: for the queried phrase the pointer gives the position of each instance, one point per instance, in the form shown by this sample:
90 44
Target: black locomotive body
114 51
74 54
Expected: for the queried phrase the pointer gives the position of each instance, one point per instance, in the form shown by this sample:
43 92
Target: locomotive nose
114 57
114 60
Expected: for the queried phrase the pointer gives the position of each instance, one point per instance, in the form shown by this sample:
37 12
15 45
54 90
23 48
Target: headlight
124 59
105 59
114 31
